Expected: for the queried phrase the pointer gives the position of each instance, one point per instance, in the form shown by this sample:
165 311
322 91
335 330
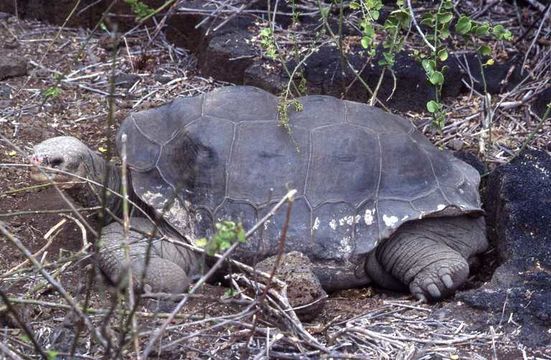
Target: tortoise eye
55 162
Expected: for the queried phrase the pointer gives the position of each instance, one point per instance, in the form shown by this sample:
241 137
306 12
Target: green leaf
433 106
501 33
365 42
498 29
428 22
202 242
241 236
436 78
444 18
324 12
443 55
429 66
482 30
507 35
464 25
485 50
230 293
448 5
374 14
354 5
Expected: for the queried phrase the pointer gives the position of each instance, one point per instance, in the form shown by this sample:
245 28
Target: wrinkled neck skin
94 167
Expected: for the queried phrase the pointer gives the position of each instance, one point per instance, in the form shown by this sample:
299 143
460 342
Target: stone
499 77
126 80
57 12
227 56
519 218
267 76
5 91
303 286
11 66
542 100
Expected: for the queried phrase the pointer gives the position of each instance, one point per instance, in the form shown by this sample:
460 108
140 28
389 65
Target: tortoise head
62 155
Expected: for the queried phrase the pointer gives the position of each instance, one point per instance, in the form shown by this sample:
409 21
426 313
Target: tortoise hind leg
430 257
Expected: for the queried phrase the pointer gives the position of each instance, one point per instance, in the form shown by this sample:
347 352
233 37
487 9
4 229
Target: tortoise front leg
430 256
167 271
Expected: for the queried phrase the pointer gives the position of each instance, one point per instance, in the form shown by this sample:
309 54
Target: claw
433 291
447 280
422 298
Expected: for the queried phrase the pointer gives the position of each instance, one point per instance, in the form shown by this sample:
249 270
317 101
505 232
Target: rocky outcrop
11 66
519 215
226 51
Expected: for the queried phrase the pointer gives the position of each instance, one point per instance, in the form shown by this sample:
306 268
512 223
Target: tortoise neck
91 194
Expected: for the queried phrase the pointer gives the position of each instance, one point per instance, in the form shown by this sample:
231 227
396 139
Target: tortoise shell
360 172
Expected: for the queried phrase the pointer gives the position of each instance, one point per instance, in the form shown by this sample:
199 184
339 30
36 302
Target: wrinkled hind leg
430 257
163 273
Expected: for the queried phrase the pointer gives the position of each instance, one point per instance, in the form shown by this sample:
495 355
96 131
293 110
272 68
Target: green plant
267 42
227 233
370 14
398 21
283 112
52 92
473 31
140 9
439 24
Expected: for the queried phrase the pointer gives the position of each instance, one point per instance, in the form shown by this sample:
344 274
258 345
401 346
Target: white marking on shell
333 224
349 220
345 247
316 224
157 200
368 216
177 215
440 207
390 221
404 218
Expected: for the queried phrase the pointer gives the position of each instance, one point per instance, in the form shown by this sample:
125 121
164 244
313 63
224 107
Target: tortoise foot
439 279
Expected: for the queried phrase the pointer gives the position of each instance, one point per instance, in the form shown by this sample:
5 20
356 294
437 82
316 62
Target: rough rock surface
57 12
540 104
12 66
303 287
519 214
226 53
227 56
499 77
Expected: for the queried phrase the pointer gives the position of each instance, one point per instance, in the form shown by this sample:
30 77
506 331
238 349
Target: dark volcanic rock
12 66
126 80
88 12
227 56
540 104
499 77
265 76
519 215
5 91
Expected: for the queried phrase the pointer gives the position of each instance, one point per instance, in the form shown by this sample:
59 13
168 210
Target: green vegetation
382 40
227 233
140 9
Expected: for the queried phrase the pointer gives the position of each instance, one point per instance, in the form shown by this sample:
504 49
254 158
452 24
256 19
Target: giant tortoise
376 201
